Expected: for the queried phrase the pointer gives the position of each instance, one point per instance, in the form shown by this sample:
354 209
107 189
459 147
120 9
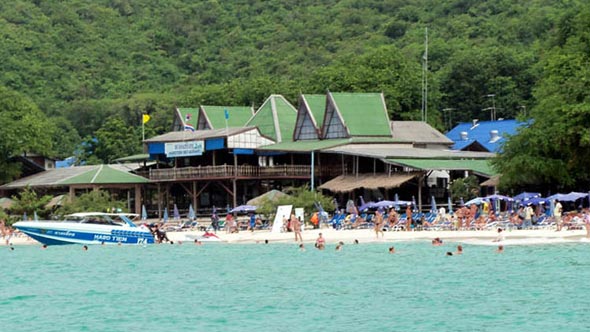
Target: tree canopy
86 62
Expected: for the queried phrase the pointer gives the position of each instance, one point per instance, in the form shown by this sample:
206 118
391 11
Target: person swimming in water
392 250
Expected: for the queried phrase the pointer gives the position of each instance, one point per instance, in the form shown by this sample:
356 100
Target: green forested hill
83 62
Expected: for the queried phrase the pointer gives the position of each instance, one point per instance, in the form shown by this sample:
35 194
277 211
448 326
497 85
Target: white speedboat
87 228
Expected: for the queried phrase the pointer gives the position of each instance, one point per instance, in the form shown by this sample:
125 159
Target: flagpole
142 129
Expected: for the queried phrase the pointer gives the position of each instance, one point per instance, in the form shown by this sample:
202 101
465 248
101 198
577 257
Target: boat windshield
98 220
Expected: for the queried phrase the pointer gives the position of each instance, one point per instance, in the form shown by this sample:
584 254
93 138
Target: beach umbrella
143 213
25 216
165 214
535 201
523 196
35 217
191 212
362 200
499 197
551 207
414 207
450 205
462 203
243 208
432 204
396 204
175 213
367 206
476 201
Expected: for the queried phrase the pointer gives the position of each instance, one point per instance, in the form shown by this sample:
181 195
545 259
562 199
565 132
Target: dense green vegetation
83 63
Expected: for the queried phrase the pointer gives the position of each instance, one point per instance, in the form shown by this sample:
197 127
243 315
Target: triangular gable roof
185 116
481 132
355 114
275 119
58 177
306 126
213 117
104 174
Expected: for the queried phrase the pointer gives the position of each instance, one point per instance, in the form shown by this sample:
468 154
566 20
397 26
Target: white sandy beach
368 235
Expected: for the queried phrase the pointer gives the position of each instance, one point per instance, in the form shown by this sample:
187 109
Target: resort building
341 143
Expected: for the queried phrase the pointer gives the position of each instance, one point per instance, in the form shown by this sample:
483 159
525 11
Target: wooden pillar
72 194
235 179
194 196
420 183
159 202
138 198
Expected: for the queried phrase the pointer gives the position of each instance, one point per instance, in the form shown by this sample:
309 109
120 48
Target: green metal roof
238 115
317 107
316 145
477 165
194 115
135 157
364 114
286 115
305 145
104 174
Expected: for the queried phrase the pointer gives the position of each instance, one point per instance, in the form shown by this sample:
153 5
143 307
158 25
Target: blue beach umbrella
165 215
25 216
462 202
35 217
175 213
450 205
396 202
414 206
432 204
191 212
143 213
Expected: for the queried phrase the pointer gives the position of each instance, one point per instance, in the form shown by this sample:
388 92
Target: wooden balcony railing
242 171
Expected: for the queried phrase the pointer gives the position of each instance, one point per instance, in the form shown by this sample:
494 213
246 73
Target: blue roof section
68 162
482 133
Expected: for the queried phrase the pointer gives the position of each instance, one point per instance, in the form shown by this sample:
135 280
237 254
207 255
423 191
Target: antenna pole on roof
425 78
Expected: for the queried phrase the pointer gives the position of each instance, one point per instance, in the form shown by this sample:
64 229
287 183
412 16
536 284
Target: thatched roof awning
346 183
491 182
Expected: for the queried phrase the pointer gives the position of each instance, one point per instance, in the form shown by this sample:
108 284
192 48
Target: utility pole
493 108
449 117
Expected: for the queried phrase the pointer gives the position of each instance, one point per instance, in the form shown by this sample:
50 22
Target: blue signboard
184 149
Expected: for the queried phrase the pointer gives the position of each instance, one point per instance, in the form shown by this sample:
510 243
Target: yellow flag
146 118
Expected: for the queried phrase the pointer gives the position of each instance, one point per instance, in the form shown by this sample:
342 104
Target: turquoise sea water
258 287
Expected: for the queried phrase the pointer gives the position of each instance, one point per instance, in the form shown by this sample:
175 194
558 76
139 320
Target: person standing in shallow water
379 224
296 224
320 242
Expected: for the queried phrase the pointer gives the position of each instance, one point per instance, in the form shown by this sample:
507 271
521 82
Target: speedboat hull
57 233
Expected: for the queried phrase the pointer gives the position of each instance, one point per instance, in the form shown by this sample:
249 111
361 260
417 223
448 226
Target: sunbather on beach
379 224
409 217
392 218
